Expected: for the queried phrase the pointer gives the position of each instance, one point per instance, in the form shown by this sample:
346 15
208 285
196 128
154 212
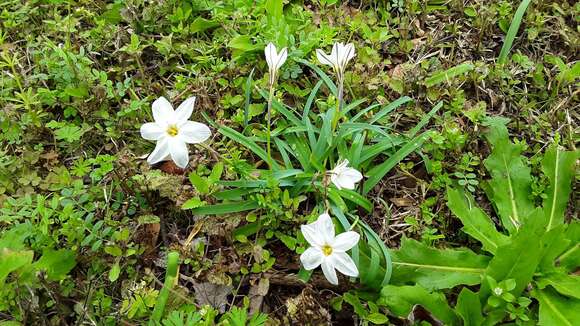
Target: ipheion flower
328 250
172 131
275 60
339 57
343 176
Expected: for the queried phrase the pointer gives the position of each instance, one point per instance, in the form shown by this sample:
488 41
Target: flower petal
310 233
152 131
344 264
194 132
185 109
324 58
325 228
270 53
311 258
160 152
179 153
162 111
349 53
346 178
345 241
329 272
282 56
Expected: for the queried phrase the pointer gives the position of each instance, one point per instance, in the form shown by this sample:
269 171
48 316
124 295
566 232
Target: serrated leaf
556 309
510 183
436 268
558 166
469 308
475 222
401 299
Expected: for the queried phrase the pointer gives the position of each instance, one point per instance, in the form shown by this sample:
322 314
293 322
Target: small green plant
533 255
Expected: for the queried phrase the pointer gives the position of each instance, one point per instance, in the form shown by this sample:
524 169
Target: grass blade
513 31
248 94
443 76
220 209
379 171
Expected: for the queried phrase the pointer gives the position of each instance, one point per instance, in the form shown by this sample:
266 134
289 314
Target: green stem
268 135
336 117
170 276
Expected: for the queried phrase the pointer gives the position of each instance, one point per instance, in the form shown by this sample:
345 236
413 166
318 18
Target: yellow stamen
172 131
326 250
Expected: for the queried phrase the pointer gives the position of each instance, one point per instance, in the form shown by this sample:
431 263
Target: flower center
326 250
172 131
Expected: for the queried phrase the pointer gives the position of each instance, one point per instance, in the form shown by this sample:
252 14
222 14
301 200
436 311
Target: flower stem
336 117
268 134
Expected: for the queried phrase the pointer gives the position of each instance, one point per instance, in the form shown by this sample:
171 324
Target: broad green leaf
518 259
114 272
200 184
11 261
436 268
568 285
201 24
443 76
475 222
556 309
56 263
401 299
558 166
510 185
569 258
220 209
469 308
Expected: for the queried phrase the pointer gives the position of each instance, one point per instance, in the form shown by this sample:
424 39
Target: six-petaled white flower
328 250
275 60
173 131
343 176
339 57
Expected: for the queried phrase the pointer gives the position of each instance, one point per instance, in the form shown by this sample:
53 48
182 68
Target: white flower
275 60
344 177
173 131
328 250
339 57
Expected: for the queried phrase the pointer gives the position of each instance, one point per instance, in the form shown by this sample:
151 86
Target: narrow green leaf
424 120
379 171
321 74
443 76
248 94
170 279
513 31
220 209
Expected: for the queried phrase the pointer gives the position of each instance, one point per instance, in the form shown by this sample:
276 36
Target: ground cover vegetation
269 162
